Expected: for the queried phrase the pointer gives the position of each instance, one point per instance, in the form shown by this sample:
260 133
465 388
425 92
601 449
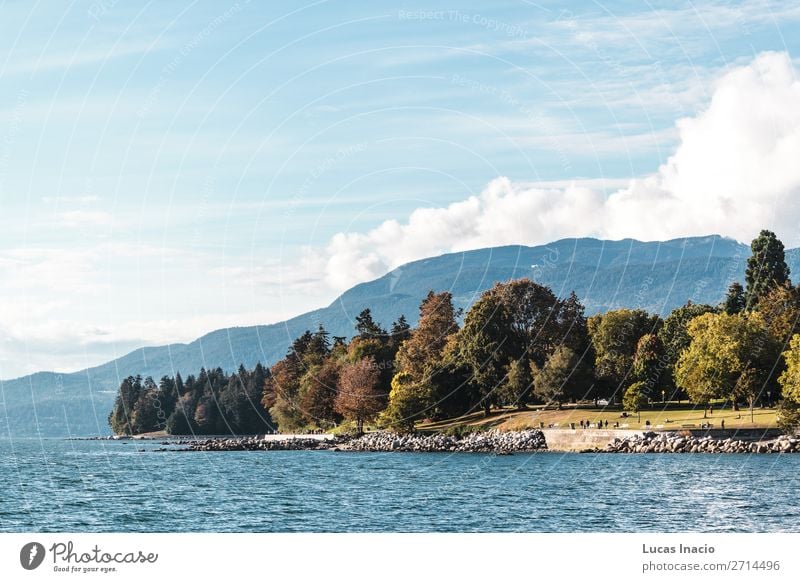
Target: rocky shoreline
652 442
477 442
497 442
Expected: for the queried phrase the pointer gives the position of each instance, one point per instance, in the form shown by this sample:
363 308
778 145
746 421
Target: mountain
656 276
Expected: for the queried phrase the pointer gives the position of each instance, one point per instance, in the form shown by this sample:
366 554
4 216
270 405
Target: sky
167 169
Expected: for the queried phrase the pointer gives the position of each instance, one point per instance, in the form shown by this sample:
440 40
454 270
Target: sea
56 485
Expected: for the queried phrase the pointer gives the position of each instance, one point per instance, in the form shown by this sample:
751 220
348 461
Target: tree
748 386
208 417
649 364
181 421
734 301
790 378
674 339
635 398
399 332
723 348
519 321
366 326
408 400
121 417
320 344
615 336
535 326
166 398
423 350
359 399
281 394
318 388
780 310
788 416
480 347
452 392
145 413
518 383
563 377
766 267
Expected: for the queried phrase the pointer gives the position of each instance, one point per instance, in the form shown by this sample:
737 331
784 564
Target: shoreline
496 442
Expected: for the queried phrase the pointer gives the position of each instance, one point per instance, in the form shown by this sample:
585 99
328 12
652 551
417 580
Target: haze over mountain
656 276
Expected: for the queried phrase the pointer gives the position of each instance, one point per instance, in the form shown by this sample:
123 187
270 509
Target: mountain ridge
656 276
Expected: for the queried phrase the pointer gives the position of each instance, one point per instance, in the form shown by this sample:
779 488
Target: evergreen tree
734 301
399 332
121 417
766 267
366 326
145 412
320 344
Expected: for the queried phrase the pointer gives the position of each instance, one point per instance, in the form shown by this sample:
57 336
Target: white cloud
735 171
84 218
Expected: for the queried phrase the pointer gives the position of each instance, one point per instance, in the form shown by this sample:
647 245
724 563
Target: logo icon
31 555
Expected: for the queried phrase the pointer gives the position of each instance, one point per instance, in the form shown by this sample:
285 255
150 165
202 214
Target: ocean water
93 486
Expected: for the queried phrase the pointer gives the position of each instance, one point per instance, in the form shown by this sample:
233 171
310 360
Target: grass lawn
670 418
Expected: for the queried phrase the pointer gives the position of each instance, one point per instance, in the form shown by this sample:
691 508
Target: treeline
520 344
212 402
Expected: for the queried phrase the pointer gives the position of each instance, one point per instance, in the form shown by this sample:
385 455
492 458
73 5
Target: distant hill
656 276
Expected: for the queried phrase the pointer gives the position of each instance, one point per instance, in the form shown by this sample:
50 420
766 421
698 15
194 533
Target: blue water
92 486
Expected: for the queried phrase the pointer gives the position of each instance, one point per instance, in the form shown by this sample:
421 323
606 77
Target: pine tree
734 301
766 267
366 326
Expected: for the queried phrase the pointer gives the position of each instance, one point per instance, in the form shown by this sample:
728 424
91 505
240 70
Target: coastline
500 442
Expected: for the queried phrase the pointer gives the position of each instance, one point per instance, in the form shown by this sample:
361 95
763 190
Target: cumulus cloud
735 171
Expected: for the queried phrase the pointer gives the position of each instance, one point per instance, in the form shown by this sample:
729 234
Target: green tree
145 412
788 416
790 378
723 348
779 308
480 347
408 400
399 332
734 301
766 267
121 417
674 338
181 421
518 383
615 336
563 377
367 328
635 398
281 395
649 365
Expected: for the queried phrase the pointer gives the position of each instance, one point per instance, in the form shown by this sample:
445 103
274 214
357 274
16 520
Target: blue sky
171 168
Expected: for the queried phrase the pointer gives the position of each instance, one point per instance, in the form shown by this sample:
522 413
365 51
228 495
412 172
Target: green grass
669 417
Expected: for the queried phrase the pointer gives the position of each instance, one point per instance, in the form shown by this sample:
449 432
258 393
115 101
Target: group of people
598 424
